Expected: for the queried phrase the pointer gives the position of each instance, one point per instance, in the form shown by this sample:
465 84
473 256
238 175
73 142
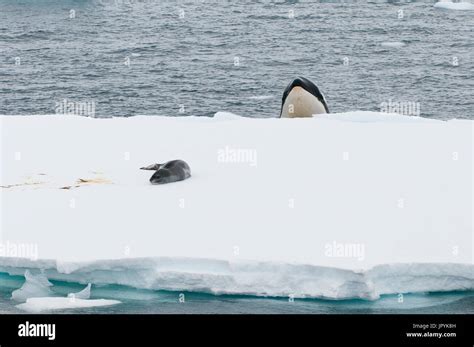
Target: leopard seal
171 171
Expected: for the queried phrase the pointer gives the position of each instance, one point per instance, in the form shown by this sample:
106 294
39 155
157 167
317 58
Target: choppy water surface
172 58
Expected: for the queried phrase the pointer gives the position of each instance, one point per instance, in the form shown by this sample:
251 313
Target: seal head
171 171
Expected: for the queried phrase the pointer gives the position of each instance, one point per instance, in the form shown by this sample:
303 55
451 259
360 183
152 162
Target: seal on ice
171 171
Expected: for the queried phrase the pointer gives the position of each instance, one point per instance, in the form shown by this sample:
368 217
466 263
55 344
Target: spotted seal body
171 171
302 98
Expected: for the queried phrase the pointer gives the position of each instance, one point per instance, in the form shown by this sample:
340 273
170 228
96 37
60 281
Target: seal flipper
152 167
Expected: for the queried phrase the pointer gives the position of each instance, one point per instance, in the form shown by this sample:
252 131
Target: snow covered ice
458 6
338 206
39 305
34 286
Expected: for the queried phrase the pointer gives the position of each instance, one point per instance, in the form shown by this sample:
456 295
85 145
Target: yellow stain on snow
88 181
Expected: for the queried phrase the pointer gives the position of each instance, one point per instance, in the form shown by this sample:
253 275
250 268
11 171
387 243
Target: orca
302 98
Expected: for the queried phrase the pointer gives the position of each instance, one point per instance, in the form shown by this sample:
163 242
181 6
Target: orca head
305 84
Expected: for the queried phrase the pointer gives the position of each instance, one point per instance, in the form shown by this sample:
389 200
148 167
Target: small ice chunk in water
34 286
394 44
37 305
457 6
83 294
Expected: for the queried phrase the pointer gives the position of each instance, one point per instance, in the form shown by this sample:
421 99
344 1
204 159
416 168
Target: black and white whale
302 99
171 171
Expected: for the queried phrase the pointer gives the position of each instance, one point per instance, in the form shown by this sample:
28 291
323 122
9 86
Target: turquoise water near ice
149 301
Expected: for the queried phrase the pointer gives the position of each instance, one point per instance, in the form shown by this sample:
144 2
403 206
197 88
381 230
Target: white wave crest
394 44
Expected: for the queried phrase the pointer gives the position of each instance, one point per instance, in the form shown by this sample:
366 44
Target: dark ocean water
151 57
